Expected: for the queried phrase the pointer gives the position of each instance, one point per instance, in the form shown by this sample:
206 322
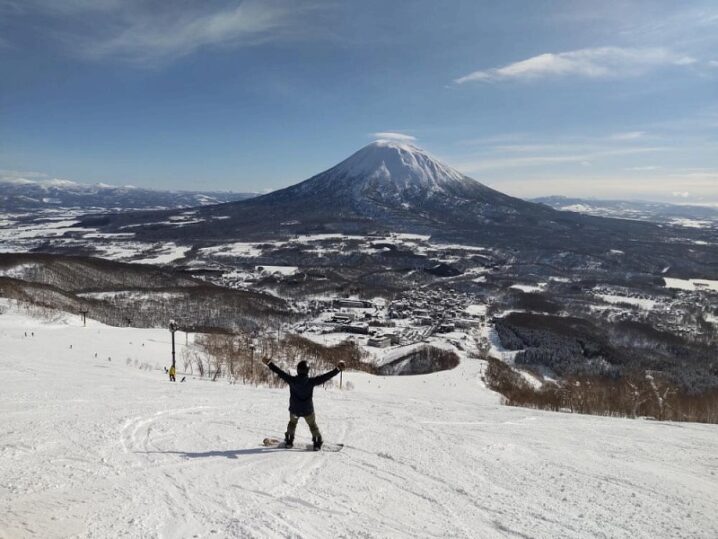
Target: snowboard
278 443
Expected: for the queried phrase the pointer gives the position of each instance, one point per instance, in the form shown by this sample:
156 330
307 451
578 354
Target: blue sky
612 99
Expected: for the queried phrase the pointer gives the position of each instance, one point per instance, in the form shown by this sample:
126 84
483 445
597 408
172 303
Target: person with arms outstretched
301 391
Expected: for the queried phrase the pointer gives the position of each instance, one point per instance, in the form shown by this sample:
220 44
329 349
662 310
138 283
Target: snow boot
317 442
288 440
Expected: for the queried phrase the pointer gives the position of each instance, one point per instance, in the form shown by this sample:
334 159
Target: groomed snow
98 448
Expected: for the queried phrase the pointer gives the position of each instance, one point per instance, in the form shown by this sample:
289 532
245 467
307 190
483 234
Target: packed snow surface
91 447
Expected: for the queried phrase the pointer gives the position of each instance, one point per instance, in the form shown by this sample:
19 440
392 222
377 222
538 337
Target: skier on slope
301 389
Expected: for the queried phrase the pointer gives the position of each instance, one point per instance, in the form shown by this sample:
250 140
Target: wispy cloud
389 135
582 157
646 162
628 135
149 39
601 62
150 33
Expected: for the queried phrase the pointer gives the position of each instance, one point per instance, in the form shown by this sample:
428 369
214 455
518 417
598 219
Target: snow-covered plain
690 284
91 447
643 303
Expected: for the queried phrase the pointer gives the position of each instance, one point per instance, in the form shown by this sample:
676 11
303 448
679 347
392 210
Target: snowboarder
301 389
172 373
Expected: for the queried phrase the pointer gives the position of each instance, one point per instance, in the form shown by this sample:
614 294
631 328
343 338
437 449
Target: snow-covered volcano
388 186
396 167
384 186
387 171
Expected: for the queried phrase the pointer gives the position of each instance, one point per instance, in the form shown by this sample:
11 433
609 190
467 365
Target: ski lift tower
173 328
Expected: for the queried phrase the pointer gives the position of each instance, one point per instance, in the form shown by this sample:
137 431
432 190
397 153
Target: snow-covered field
92 447
614 299
691 284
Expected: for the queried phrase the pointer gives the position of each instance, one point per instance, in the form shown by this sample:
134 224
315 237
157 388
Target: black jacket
301 389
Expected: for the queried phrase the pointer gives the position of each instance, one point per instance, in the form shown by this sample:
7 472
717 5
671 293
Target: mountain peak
402 165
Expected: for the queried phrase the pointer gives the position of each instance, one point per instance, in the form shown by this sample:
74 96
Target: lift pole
173 328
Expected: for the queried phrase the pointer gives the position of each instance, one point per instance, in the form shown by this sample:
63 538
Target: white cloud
148 39
599 62
681 194
388 135
66 7
149 33
629 135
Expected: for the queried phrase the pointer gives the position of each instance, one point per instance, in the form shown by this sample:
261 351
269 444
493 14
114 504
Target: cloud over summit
388 135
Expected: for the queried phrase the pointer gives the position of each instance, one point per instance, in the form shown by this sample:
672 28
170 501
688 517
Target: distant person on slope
301 390
172 373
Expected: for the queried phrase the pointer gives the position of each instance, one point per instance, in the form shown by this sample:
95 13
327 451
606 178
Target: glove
266 360
340 365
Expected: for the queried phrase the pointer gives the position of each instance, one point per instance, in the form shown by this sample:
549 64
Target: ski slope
91 447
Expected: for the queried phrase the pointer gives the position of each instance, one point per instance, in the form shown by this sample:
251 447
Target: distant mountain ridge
389 187
32 195
631 209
